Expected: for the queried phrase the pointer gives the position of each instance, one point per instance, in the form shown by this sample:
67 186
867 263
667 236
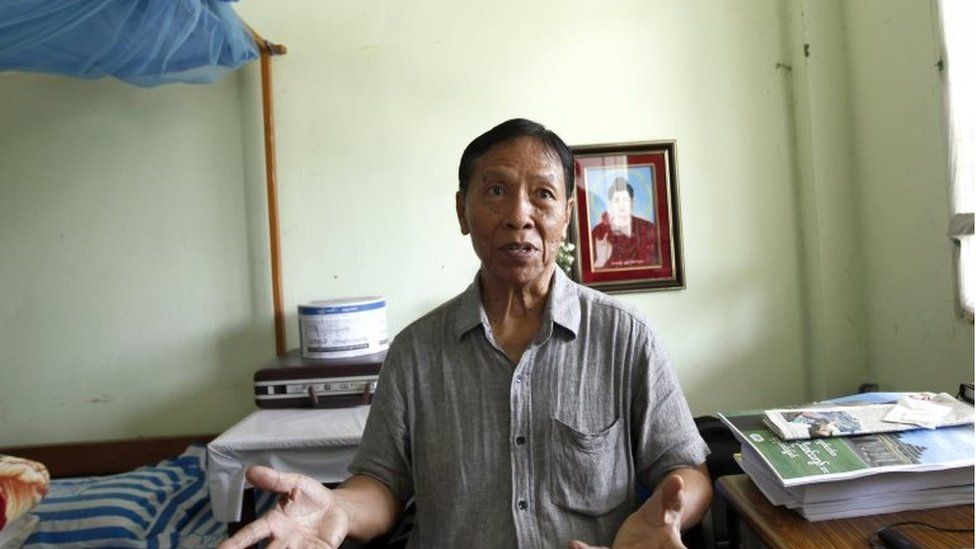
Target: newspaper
799 462
910 411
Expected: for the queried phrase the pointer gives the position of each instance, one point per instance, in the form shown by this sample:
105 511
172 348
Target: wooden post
267 50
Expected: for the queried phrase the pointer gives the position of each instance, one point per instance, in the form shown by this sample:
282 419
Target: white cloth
318 443
16 532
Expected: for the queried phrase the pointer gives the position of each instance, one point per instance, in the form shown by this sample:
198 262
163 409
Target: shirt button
523 505
519 378
519 440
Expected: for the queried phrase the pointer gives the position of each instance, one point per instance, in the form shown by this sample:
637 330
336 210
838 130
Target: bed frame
77 459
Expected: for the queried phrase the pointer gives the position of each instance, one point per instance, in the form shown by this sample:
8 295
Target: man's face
621 207
516 211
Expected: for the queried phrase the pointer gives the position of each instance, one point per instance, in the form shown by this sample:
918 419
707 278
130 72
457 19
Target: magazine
893 485
869 505
911 411
799 462
884 493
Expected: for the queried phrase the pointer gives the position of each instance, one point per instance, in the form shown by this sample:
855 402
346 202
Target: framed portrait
626 224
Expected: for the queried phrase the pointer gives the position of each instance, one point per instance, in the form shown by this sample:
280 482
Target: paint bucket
344 327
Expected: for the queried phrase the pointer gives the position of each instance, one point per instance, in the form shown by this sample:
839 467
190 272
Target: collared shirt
532 454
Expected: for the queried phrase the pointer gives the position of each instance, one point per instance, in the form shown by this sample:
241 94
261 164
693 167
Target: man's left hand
657 523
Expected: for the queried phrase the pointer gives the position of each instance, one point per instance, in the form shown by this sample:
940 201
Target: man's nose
520 213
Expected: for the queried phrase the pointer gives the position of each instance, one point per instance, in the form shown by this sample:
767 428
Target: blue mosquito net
143 42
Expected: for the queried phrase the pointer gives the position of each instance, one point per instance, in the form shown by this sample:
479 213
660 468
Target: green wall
831 260
377 100
915 338
134 285
126 304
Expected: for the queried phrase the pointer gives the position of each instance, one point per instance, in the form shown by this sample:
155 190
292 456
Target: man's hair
509 131
620 184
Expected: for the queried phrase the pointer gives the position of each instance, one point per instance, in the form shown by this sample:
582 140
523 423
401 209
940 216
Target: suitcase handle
367 395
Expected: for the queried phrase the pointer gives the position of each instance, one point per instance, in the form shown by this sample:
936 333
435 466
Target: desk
780 527
318 443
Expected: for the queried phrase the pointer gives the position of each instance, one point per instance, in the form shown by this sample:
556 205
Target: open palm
306 515
654 525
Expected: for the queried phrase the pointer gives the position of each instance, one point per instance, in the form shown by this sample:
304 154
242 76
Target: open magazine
799 462
910 411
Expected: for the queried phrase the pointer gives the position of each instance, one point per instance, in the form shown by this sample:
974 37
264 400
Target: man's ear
459 207
570 205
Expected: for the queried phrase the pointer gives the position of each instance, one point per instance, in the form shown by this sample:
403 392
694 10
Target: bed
148 492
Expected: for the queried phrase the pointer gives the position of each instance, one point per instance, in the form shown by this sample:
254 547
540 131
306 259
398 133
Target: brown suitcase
292 381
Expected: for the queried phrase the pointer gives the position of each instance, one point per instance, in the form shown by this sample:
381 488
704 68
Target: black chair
713 532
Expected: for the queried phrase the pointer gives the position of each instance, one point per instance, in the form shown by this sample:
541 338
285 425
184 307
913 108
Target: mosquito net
143 42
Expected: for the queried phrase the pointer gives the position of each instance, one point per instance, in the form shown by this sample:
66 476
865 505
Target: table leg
733 524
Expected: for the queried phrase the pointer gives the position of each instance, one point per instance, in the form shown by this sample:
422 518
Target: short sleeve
384 452
665 435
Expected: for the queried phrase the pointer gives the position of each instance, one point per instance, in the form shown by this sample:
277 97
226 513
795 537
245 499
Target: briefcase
292 381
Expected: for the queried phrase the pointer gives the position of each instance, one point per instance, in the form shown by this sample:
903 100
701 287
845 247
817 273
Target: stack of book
831 460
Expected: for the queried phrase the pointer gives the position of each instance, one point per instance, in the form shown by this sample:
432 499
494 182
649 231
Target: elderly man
521 413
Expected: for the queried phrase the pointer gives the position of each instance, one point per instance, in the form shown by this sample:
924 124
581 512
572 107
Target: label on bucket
342 328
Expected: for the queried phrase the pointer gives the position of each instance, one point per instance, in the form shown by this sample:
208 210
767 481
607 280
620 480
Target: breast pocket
588 473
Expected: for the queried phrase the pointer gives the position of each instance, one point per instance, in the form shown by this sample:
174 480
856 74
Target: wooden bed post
267 50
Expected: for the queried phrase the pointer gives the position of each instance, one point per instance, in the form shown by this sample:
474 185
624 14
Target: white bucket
343 328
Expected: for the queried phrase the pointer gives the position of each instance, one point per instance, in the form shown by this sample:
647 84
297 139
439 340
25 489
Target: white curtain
959 33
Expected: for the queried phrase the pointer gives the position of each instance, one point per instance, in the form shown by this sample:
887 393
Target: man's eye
495 190
546 193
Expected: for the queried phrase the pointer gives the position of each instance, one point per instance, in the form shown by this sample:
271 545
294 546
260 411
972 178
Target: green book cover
823 459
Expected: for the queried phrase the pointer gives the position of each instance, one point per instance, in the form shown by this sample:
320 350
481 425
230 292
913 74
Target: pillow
23 483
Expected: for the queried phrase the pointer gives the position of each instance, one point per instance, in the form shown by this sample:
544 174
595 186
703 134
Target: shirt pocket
588 472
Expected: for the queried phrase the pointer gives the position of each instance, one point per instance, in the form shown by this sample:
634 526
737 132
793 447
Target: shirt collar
563 307
564 303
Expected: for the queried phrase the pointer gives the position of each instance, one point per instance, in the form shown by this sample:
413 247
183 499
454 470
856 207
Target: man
621 239
522 412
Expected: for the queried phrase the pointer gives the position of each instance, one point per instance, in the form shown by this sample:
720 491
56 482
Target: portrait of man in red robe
621 239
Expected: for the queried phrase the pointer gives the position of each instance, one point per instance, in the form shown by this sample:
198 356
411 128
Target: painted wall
134 293
915 339
831 273
376 100
125 295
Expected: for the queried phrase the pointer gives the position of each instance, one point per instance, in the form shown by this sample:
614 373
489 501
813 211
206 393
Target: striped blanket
167 505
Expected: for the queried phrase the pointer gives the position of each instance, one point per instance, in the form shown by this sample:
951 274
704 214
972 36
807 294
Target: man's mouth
519 249
527 246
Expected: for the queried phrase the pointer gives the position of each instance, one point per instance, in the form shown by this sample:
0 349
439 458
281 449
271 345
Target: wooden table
780 527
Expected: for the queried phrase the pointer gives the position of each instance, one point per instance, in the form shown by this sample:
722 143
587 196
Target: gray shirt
533 454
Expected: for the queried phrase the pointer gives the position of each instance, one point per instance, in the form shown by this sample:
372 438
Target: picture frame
626 230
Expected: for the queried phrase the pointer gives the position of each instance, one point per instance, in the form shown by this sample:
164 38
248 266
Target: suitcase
292 381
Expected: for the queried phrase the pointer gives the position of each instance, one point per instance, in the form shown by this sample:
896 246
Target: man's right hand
306 515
